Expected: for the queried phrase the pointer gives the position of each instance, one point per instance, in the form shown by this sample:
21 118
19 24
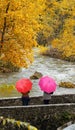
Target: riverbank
6 67
51 52
55 53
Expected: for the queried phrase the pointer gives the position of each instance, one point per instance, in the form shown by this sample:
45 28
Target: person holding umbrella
48 86
47 97
24 86
25 98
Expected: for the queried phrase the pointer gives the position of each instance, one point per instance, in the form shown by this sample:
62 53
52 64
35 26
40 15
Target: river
60 70
71 127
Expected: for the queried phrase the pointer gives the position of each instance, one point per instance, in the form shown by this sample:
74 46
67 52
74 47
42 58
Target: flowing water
71 127
60 70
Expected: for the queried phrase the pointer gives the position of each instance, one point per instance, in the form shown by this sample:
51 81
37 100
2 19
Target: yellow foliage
22 19
60 22
8 121
7 89
42 49
55 42
19 25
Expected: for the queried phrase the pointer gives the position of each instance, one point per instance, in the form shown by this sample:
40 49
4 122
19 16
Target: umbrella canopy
23 85
47 84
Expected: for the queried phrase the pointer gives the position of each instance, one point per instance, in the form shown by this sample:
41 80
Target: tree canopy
59 25
19 24
22 20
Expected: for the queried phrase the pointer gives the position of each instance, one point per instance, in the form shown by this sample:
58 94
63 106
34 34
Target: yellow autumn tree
19 24
65 42
50 20
59 25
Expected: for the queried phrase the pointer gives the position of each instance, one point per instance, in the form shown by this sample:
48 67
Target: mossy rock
66 85
36 75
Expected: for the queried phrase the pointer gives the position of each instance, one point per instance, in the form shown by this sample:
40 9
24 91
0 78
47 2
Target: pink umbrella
47 84
23 85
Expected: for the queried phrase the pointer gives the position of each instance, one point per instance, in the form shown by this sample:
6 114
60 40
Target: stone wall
56 99
45 117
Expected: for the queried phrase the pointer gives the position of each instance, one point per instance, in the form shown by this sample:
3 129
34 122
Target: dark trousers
25 101
46 101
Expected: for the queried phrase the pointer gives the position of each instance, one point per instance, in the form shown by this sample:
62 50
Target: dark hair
49 93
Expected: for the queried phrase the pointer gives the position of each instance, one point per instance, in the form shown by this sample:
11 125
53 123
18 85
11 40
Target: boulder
36 75
66 85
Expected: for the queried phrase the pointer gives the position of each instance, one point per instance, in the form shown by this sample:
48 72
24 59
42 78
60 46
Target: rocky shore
55 53
7 67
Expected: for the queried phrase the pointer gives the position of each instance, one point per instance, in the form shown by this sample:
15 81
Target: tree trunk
4 26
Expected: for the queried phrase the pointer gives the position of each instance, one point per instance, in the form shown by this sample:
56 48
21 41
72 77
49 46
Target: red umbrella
47 84
23 85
